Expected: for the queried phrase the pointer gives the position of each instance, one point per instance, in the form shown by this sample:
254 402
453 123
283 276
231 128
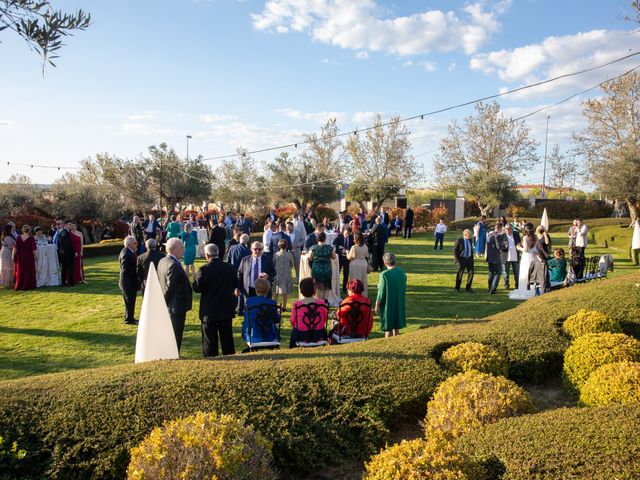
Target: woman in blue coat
480 231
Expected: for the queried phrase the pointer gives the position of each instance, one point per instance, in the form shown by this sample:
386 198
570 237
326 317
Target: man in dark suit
217 282
136 230
463 254
343 244
312 238
253 267
495 247
128 281
384 217
271 216
377 238
66 254
217 237
408 222
175 286
280 235
150 256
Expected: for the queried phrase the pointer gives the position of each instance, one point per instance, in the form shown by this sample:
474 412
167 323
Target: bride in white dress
529 254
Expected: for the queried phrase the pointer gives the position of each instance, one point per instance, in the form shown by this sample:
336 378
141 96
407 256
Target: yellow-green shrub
593 350
421 459
471 399
589 321
204 445
612 383
475 356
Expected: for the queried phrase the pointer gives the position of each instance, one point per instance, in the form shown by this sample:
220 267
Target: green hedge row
105 247
568 443
315 405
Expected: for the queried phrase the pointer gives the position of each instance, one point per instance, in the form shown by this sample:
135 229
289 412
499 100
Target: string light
422 115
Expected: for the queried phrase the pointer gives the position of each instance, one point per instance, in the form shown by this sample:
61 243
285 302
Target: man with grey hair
463 254
217 283
391 299
150 256
253 267
175 287
136 230
128 281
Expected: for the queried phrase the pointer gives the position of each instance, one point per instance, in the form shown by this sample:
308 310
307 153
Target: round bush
469 400
421 459
612 383
593 350
204 445
589 321
475 356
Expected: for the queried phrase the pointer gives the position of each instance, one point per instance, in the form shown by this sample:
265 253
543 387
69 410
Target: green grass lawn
56 329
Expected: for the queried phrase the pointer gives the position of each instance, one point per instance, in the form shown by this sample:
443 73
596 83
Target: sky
259 74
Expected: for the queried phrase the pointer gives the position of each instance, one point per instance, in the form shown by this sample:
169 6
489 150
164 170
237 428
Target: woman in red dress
76 241
25 255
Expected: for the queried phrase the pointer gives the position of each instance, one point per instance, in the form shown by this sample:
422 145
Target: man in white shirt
441 229
266 237
581 236
510 258
297 241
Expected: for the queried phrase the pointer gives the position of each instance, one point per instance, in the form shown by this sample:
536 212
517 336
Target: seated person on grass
557 266
261 324
308 316
577 262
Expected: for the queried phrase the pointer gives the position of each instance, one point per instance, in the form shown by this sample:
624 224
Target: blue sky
260 73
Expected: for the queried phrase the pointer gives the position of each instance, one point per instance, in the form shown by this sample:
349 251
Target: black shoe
492 292
131 322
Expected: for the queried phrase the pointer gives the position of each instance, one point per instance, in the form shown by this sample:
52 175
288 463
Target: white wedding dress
521 293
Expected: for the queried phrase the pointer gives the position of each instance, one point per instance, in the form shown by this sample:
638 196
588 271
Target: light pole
544 169
188 137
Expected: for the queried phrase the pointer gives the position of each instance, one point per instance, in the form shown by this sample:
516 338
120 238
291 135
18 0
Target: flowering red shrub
31 220
421 218
438 212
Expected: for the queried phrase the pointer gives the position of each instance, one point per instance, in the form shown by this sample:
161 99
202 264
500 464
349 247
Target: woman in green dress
390 304
321 256
174 229
190 240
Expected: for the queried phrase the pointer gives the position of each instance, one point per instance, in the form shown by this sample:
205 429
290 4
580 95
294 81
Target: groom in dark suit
175 286
463 254
496 245
343 244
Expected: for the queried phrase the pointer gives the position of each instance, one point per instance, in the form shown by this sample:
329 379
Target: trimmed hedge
472 399
582 443
590 352
105 247
314 405
204 445
420 459
612 383
474 356
589 321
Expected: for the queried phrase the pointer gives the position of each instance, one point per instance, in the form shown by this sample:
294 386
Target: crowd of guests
240 278
19 267
524 250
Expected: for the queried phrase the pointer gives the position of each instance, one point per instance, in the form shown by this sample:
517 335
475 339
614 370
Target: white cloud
556 56
235 134
136 128
6 123
362 55
429 66
362 119
361 25
214 117
142 116
320 117
407 63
